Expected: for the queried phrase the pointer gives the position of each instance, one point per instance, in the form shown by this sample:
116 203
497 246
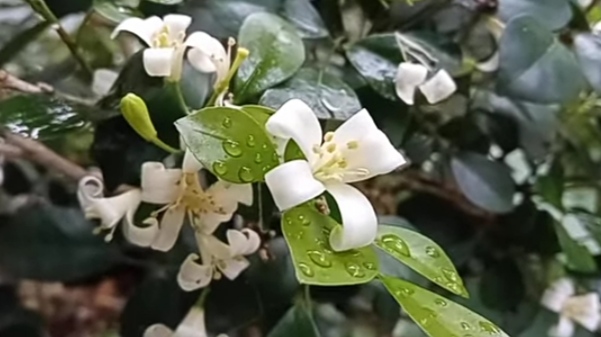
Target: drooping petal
557 294
564 328
176 26
158 330
244 242
158 61
231 268
584 310
296 120
208 55
140 235
159 185
359 221
214 247
89 188
408 77
192 275
438 88
193 324
144 29
111 210
190 164
171 225
292 184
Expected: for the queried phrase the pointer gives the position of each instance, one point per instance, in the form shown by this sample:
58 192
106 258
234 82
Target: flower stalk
223 86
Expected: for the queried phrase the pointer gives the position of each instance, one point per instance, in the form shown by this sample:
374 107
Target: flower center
163 39
332 163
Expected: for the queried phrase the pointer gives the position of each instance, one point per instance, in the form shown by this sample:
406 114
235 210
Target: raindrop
440 302
404 292
275 157
429 314
266 169
455 288
299 235
303 220
319 258
245 174
356 253
258 158
219 168
450 275
369 265
250 141
227 122
465 326
432 252
489 327
306 269
232 148
354 269
395 245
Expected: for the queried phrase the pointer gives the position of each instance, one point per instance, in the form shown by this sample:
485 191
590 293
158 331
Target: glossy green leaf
554 14
276 53
229 143
578 256
487 184
307 233
377 58
328 96
535 66
113 10
297 322
305 18
259 113
422 255
438 316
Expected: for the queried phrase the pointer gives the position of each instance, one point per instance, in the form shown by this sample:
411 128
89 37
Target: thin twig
9 81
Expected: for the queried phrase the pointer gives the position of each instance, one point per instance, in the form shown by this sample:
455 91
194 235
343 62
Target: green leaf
487 184
377 59
436 315
229 143
422 255
297 322
20 41
305 18
553 14
307 233
588 50
276 53
113 10
328 96
578 256
259 113
535 66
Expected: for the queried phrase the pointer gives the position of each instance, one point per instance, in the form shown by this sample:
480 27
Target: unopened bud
136 114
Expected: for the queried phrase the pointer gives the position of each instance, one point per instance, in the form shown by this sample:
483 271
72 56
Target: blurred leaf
297 322
422 255
328 96
535 66
446 52
113 10
166 2
307 232
276 53
377 58
305 18
35 242
588 50
578 256
242 152
20 41
502 287
553 14
436 315
487 184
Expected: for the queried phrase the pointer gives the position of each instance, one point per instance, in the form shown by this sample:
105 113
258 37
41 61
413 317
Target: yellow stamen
328 136
352 145
331 147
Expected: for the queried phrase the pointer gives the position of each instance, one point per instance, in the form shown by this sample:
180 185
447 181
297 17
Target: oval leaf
485 183
553 14
276 53
422 255
229 143
436 315
307 233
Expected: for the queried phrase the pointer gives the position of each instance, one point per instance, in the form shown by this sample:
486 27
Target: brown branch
8 81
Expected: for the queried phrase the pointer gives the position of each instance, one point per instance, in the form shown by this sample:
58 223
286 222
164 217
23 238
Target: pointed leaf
307 233
422 255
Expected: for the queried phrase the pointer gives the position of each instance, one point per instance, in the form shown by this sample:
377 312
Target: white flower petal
176 25
225 194
144 29
292 184
209 222
408 77
296 120
214 247
597 28
171 225
244 242
158 330
159 185
584 310
193 276
232 268
208 54
491 64
193 324
89 188
158 62
438 88
190 164
111 210
564 328
557 294
103 81
359 221
140 236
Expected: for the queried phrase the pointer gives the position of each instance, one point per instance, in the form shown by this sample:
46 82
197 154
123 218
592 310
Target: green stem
223 86
164 146
41 8
203 297
179 95
307 293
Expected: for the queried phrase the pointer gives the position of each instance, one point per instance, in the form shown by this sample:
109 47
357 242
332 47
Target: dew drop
275 157
465 326
319 258
395 245
232 148
432 252
306 269
404 292
450 275
219 168
303 220
356 253
227 122
354 269
489 327
428 316
455 288
299 235
258 158
369 265
245 174
440 302
250 141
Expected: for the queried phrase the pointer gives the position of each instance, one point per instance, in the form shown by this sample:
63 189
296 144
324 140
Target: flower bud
136 114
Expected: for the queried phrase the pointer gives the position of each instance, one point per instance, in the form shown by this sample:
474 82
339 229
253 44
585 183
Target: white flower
193 325
411 76
217 257
181 193
561 298
358 150
103 81
166 42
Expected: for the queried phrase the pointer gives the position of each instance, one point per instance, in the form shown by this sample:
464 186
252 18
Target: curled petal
232 268
557 294
193 276
208 54
292 184
296 120
89 188
244 242
111 210
359 221
171 225
159 185
438 88
176 26
408 77
140 236
158 330
158 62
144 29
564 328
209 222
211 247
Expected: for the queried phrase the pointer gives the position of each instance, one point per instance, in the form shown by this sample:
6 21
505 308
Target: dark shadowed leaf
297 322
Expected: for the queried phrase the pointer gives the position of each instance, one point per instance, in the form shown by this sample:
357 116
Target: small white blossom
413 76
573 309
356 151
193 325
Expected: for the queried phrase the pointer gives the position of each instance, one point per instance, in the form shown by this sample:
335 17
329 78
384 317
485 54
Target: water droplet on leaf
219 168
319 258
404 292
440 302
227 122
303 220
432 252
465 326
245 174
450 275
258 158
395 245
232 148
369 265
306 269
489 327
354 269
250 141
